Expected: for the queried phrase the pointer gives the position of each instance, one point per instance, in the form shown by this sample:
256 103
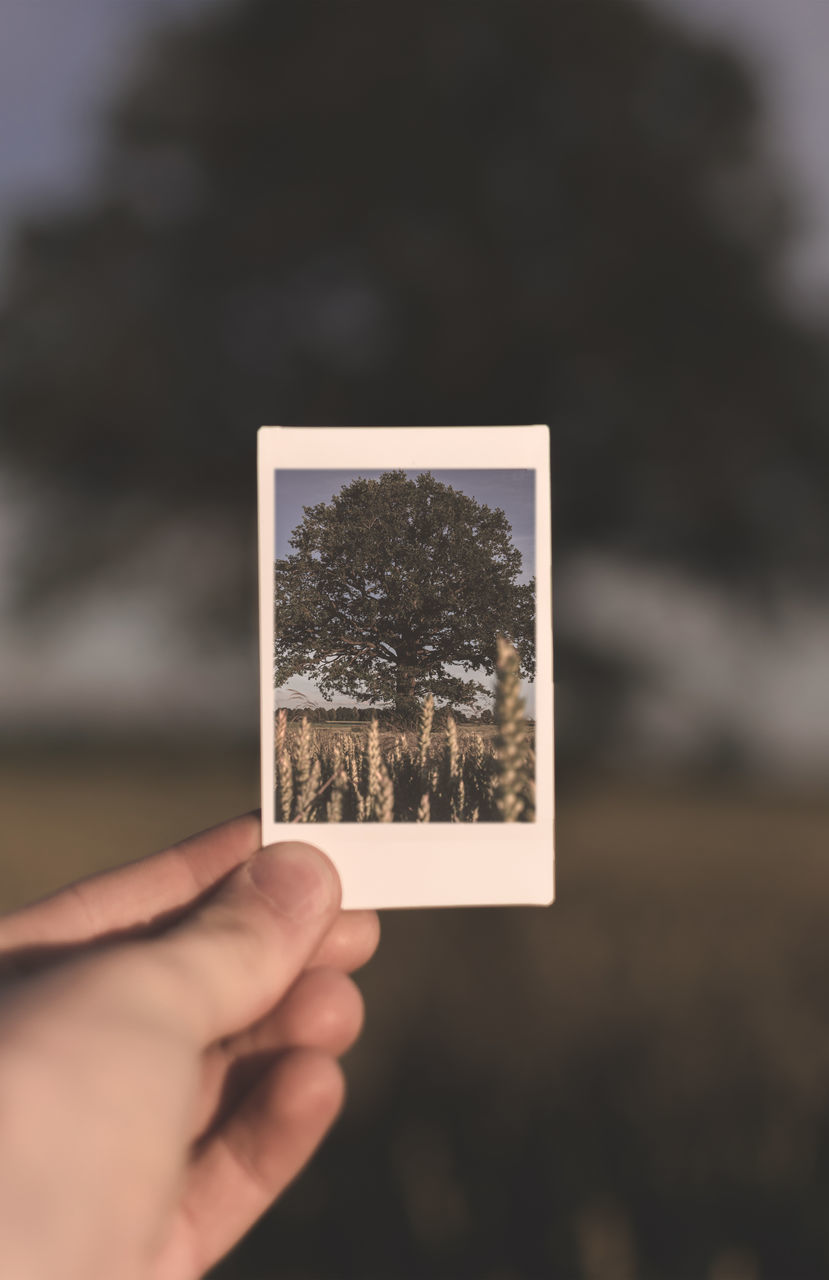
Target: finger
240 1171
350 942
323 1010
235 955
136 894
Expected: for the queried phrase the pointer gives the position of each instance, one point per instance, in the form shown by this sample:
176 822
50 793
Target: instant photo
406 646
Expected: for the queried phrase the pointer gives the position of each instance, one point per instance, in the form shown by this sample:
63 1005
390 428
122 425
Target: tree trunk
406 707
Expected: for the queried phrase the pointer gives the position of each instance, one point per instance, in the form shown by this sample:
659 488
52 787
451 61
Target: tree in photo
392 583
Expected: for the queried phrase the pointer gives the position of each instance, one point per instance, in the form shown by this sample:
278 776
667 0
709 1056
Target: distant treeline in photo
386 717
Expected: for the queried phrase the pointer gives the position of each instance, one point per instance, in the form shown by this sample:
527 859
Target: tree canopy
392 583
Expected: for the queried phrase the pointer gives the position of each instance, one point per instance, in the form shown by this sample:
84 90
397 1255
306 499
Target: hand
168 1043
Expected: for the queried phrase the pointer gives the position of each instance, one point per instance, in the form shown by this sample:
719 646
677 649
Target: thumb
235 955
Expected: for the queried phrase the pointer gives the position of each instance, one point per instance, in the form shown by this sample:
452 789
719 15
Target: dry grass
67 814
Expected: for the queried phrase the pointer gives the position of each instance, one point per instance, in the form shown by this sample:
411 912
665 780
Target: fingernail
296 878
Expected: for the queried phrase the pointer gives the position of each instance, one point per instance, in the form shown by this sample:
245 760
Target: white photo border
410 864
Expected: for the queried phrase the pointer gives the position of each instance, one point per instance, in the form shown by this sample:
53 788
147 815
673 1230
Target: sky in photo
513 490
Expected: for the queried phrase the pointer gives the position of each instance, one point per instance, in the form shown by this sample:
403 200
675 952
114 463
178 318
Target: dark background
374 214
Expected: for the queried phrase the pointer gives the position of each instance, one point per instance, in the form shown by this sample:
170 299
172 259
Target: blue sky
513 490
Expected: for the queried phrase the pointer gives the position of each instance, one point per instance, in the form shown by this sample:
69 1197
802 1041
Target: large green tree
392 583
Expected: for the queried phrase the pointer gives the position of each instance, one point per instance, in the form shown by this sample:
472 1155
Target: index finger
135 894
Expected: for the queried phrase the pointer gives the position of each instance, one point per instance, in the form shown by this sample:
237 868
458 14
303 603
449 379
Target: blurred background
603 214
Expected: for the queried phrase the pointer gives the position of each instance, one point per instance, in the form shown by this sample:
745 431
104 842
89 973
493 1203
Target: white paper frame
408 864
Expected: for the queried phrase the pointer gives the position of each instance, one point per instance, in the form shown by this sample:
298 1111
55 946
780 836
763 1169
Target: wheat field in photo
360 772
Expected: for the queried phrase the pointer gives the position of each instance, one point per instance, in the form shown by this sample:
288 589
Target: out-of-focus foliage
532 210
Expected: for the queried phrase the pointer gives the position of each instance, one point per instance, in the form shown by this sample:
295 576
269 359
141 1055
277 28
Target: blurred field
64 814
631 1084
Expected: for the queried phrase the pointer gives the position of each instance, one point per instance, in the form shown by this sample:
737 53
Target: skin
169 1035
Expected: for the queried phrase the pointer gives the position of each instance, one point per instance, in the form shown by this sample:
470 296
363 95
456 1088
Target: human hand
168 1043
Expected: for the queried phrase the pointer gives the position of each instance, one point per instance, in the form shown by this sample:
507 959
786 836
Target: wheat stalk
284 767
286 786
334 806
529 812
385 809
458 800
453 772
280 731
303 756
317 792
308 794
511 739
373 766
452 748
424 732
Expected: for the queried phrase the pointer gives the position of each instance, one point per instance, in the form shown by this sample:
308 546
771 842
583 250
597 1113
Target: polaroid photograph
405 578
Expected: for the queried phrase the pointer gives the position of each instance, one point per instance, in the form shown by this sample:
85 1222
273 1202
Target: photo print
407 656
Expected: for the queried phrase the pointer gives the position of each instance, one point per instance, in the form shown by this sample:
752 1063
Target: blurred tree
514 211
489 211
